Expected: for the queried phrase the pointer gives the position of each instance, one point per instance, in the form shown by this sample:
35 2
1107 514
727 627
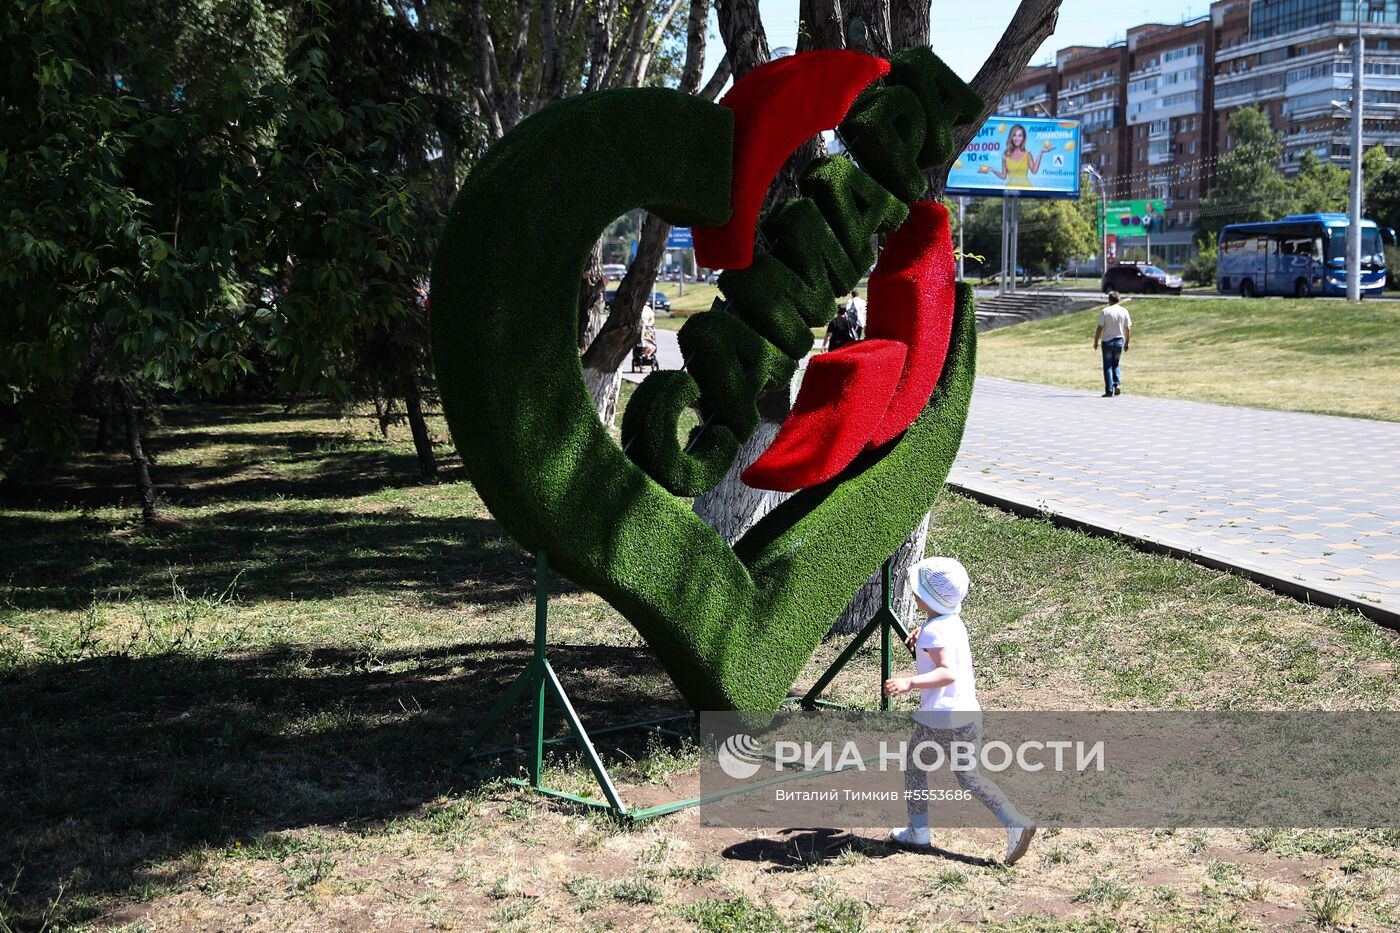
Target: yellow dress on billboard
1018 171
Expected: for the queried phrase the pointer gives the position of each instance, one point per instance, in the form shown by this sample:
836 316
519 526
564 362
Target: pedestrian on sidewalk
1115 332
949 712
841 331
855 310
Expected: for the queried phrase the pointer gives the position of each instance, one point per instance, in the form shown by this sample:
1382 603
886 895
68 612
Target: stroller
644 353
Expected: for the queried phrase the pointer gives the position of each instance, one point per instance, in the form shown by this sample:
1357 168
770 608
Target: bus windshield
1372 253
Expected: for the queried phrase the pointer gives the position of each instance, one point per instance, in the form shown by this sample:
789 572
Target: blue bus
1300 255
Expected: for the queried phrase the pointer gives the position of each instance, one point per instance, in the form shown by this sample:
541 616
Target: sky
964 33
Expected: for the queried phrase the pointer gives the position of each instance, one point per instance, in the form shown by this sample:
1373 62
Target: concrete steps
1019 307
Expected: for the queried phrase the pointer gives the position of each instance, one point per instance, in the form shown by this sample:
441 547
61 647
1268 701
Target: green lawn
249 720
1311 355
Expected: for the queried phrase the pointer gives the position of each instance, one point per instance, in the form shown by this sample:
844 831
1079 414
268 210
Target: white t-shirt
859 305
1115 322
949 633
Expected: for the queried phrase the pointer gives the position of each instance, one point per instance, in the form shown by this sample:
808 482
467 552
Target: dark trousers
1112 357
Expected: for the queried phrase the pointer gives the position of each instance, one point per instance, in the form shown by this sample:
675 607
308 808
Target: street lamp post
1358 55
1103 214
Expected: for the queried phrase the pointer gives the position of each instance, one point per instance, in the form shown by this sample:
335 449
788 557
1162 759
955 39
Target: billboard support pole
1005 230
1358 101
1015 243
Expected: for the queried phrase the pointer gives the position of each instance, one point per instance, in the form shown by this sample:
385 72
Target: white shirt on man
858 304
1115 322
949 633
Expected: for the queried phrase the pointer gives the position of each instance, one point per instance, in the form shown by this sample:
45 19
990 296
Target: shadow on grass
274 554
110 767
800 849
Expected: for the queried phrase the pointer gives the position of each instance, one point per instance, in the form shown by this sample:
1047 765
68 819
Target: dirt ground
250 720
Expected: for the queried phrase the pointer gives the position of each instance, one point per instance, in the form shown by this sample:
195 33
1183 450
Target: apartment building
1091 89
1293 60
1170 130
1156 106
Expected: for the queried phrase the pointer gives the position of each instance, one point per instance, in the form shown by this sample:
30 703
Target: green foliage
1248 185
1201 269
738 634
105 277
1053 232
194 191
1320 187
1382 188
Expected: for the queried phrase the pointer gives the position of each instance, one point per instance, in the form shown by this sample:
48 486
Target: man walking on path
1116 331
841 331
855 310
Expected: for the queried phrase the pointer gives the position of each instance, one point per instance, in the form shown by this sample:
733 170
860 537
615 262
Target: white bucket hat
941 583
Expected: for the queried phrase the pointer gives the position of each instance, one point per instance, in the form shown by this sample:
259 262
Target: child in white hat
948 708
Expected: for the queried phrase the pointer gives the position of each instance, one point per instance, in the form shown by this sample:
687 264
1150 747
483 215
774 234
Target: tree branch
1033 23
517 63
643 65
717 80
694 46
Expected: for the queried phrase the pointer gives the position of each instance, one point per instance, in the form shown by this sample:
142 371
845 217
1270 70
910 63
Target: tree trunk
745 41
623 329
384 412
591 309
422 440
604 386
869 26
150 511
732 508
102 442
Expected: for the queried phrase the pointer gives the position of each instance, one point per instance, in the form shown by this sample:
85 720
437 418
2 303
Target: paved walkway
1309 504
668 354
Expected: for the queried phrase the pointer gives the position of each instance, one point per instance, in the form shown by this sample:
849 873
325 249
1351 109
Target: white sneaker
1018 840
912 837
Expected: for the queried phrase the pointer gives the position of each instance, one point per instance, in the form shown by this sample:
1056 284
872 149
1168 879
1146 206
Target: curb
1299 591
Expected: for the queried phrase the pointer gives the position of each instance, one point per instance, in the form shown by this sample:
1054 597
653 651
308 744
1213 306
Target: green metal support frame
539 680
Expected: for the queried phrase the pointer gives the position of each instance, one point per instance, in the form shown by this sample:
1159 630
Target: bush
1201 269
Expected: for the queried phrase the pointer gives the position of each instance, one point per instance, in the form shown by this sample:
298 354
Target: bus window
1372 253
1236 244
1371 249
1307 247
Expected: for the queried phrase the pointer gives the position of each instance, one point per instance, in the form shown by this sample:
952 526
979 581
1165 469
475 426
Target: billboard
1027 157
1134 218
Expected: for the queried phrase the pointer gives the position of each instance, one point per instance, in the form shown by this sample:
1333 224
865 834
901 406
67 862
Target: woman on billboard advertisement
1018 164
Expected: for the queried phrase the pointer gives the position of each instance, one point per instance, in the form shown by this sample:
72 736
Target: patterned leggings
972 781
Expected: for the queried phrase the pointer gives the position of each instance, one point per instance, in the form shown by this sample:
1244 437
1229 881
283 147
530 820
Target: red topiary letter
776 108
844 395
912 296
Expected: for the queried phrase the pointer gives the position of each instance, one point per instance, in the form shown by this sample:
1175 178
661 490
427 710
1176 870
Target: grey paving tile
1239 484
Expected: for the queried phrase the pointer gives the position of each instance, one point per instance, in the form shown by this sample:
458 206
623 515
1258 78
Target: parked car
659 302
1141 278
